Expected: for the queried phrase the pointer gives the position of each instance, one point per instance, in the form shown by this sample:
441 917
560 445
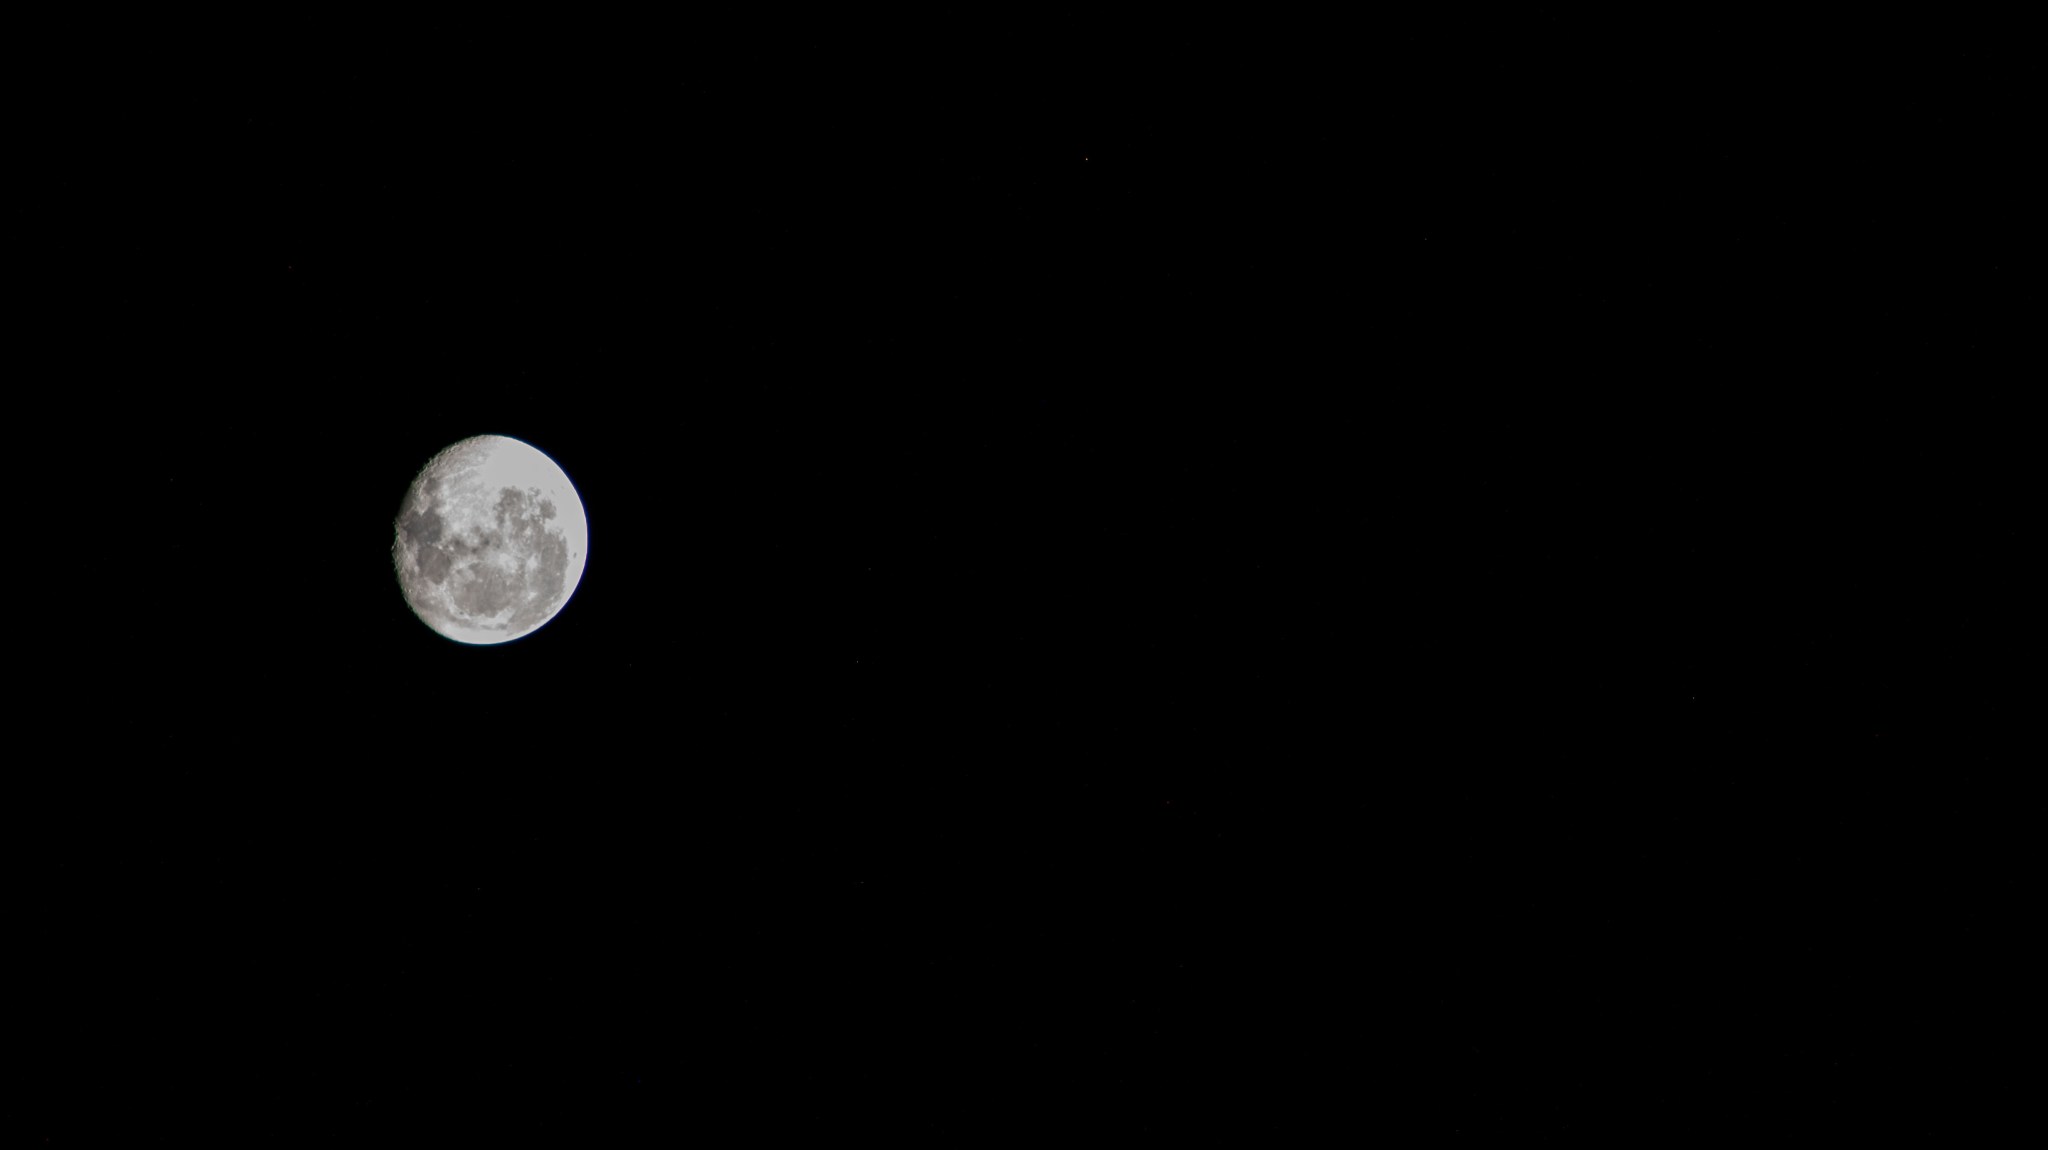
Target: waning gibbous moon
491 540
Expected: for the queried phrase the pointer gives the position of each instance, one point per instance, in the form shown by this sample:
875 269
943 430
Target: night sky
1447 581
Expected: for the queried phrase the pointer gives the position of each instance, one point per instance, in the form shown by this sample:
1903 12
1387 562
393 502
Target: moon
491 540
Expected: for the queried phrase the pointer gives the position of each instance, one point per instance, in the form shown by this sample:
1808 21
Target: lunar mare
490 540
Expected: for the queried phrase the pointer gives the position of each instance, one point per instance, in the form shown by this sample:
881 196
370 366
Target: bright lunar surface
491 540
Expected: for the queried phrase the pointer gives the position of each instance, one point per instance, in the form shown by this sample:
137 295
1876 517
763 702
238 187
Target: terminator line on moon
491 540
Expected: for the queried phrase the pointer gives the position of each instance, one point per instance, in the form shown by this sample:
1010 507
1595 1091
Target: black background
1446 578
